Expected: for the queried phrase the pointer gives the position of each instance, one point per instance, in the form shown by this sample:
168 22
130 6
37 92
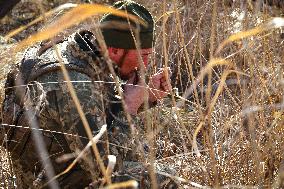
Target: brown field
223 124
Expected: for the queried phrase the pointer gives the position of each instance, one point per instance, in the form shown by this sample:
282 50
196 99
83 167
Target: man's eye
146 54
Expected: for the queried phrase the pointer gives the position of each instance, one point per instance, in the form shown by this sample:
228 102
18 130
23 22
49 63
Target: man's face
128 60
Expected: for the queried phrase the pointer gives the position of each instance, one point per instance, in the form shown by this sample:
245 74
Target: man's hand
134 94
159 85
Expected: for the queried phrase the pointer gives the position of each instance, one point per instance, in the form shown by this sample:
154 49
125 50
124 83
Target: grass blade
46 15
276 22
72 17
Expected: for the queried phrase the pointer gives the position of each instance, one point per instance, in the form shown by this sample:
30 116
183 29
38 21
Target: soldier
37 97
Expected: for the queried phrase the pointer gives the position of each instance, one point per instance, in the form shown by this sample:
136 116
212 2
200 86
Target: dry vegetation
229 133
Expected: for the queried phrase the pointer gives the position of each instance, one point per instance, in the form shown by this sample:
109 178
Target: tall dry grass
222 127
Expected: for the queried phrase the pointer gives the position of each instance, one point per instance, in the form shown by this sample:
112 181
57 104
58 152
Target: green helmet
117 32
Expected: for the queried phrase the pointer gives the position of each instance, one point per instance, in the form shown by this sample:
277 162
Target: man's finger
165 87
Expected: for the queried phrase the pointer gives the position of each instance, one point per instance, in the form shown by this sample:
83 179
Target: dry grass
230 134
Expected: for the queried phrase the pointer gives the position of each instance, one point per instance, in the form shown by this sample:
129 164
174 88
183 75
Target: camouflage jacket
41 66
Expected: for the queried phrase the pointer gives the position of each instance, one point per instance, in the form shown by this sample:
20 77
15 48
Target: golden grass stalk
40 18
111 164
203 72
220 88
273 23
70 18
130 183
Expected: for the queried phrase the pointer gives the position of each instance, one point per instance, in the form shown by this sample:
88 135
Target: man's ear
116 51
115 54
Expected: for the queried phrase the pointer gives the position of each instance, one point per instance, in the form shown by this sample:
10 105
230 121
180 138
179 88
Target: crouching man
37 97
